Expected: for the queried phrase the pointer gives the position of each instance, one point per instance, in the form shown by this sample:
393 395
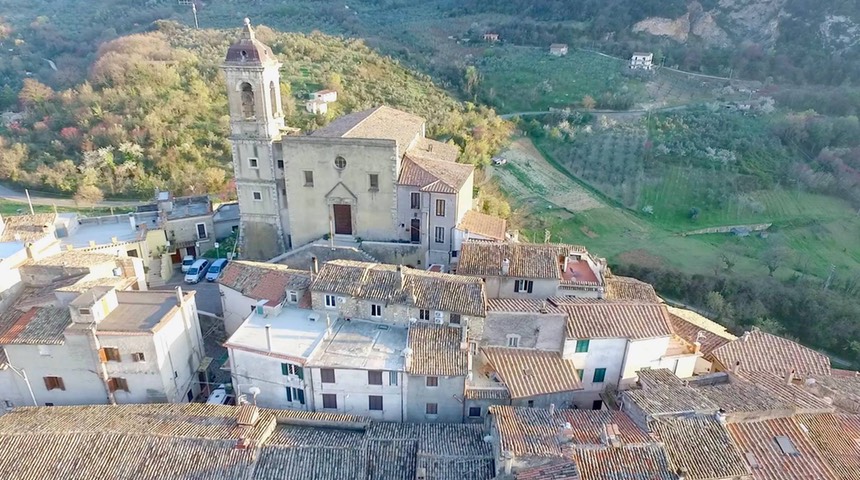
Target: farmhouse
558 49
491 37
642 61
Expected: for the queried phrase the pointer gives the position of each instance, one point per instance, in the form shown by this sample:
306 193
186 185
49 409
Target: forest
152 111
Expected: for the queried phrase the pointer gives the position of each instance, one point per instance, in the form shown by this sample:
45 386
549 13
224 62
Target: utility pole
30 202
194 10
830 277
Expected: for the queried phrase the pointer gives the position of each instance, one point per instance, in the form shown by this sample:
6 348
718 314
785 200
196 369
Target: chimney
315 265
721 416
737 368
609 435
179 296
506 266
114 240
789 377
551 409
682 473
400 273
509 462
697 347
92 243
543 307
565 433
746 336
269 337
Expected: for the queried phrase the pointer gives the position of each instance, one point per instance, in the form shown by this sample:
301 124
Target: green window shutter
301 394
582 346
599 375
580 373
289 394
300 372
285 369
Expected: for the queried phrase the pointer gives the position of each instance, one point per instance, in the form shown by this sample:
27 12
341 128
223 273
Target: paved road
14 195
599 112
208 297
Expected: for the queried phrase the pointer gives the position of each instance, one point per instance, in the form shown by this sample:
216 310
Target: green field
522 79
8 208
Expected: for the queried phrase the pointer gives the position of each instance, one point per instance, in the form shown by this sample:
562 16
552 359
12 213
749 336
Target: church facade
370 175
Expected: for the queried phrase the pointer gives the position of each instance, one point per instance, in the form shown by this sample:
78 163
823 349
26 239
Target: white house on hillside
642 61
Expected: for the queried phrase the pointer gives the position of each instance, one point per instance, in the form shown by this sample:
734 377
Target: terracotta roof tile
664 400
279 463
526 260
691 333
701 446
480 393
757 441
72 259
436 176
411 287
757 350
4 360
484 225
626 288
623 463
27 228
264 281
600 319
37 326
527 372
534 432
381 123
436 351
561 470
521 305
840 451
656 377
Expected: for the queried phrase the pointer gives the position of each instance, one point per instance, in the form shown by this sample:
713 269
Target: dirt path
528 177
7 193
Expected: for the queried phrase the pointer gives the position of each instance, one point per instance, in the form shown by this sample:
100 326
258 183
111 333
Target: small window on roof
786 445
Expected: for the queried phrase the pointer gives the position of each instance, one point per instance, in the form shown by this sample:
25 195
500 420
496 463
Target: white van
218 396
196 271
216 269
187 261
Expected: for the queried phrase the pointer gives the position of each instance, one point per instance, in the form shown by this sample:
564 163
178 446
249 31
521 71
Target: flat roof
293 334
101 233
363 345
7 249
139 311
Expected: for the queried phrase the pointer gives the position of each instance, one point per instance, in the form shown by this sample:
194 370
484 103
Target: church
367 176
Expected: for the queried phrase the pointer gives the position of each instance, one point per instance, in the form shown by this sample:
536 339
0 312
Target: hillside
152 112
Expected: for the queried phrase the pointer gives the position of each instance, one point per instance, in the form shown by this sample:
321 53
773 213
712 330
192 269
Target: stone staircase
153 277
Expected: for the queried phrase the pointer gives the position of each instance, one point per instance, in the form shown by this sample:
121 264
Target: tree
34 92
213 179
88 195
588 102
472 78
774 257
694 214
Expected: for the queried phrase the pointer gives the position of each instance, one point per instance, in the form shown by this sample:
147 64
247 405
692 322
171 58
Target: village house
105 346
226 221
558 49
370 175
760 351
327 96
642 61
477 226
531 270
491 37
316 106
246 286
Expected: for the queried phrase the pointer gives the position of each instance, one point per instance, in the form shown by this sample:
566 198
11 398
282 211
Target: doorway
342 219
415 229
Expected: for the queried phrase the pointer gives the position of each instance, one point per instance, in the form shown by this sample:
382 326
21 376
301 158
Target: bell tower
256 121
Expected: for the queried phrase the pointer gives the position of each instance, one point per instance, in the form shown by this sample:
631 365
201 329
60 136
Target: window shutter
289 394
530 285
301 396
300 372
49 384
516 286
102 355
285 369
60 383
111 384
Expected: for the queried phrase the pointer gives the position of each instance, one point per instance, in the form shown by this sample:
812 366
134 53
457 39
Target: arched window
247 101
273 97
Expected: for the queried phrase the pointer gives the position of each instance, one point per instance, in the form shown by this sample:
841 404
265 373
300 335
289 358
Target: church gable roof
378 123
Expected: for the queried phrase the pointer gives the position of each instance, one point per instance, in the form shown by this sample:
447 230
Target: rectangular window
474 412
580 373
440 208
327 375
290 369
84 311
115 384
281 164
283 192
309 178
374 377
432 408
374 402
258 196
329 400
514 341
432 382
599 375
392 378
54 382
455 318
424 314
296 395
109 354
293 296
440 235
201 230
374 182
523 286
582 346
330 301
253 162
415 200
375 310
531 403
138 357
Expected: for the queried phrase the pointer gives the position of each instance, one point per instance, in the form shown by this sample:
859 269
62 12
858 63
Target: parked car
216 269
499 161
196 271
187 261
218 396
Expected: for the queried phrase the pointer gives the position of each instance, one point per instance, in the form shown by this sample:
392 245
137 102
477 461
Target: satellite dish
254 391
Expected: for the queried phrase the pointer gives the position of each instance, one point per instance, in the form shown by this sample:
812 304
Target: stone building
370 175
